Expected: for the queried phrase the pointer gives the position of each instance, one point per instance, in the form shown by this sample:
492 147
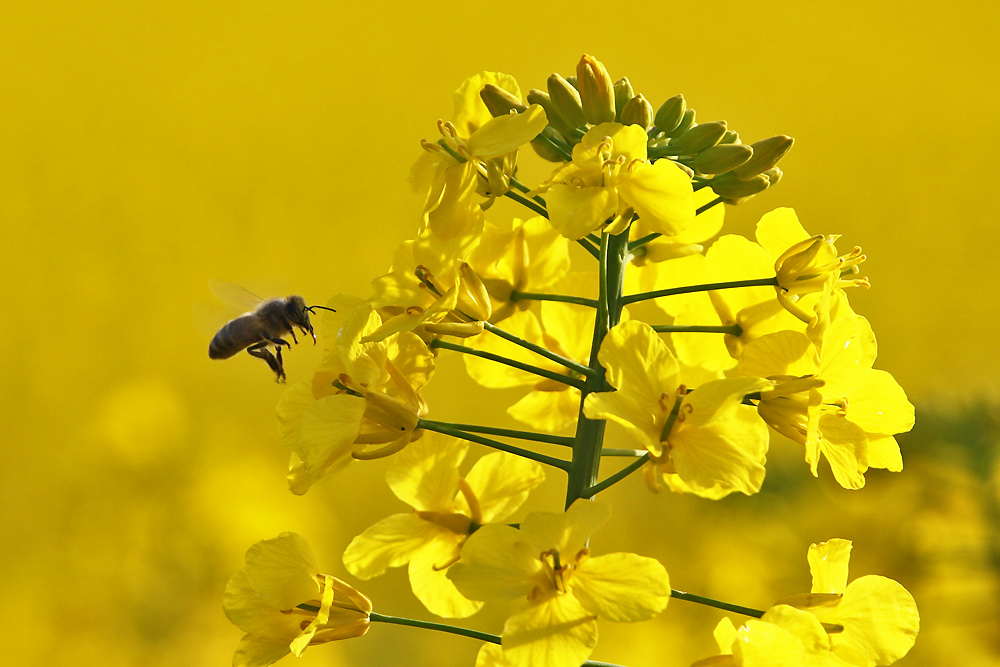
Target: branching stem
548 354
644 296
495 444
547 438
438 343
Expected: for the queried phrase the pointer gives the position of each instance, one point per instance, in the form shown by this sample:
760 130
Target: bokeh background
148 148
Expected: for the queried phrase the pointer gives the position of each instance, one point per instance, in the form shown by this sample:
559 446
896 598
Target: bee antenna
310 308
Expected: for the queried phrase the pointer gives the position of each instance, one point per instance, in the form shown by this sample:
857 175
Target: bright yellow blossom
526 256
446 510
610 177
364 394
562 588
284 604
830 399
707 438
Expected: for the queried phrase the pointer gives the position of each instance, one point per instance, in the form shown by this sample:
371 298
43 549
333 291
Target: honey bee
263 327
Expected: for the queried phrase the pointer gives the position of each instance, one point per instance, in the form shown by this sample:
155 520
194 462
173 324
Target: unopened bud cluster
712 153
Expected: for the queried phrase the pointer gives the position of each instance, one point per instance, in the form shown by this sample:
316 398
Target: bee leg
260 351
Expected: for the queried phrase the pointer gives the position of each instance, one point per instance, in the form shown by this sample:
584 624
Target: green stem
510 433
619 476
622 452
530 203
737 609
638 243
502 446
539 350
515 295
527 368
643 296
439 627
733 329
589 247
590 432
718 604
714 202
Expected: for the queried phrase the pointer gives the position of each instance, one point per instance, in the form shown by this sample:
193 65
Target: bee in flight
263 327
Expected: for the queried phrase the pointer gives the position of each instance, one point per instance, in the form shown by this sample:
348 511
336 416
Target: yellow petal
879 405
780 353
430 582
425 474
282 570
883 452
661 194
470 112
556 632
760 644
327 431
622 587
390 542
711 458
779 230
506 134
246 609
577 211
828 563
497 564
845 446
639 364
567 531
637 418
255 651
549 411
502 482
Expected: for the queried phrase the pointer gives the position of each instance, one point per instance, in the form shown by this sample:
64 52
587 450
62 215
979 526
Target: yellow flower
284 604
871 621
446 510
706 438
562 589
526 256
429 283
364 394
563 328
610 176
805 264
830 399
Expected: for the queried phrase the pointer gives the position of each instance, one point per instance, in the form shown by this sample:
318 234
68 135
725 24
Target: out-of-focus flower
284 604
563 590
610 177
364 394
446 510
871 621
712 443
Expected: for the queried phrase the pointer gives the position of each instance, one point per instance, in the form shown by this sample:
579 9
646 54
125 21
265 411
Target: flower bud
597 92
637 111
766 154
687 122
473 299
730 187
730 137
542 99
623 93
670 113
499 101
700 137
722 158
566 101
774 175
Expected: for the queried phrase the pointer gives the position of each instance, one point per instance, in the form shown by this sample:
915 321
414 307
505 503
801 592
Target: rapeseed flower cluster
751 343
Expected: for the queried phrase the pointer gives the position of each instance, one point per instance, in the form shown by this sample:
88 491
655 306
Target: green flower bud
637 111
566 101
700 137
766 154
687 121
499 101
774 175
623 93
597 92
730 137
722 158
670 113
542 99
730 187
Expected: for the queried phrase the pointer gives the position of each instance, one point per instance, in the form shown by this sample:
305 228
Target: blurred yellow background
148 148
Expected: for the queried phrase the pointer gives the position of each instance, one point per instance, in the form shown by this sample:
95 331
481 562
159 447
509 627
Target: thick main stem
590 432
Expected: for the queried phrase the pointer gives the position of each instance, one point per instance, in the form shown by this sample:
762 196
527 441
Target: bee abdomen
232 338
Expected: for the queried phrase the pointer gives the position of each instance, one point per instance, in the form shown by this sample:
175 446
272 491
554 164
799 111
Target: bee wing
234 296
